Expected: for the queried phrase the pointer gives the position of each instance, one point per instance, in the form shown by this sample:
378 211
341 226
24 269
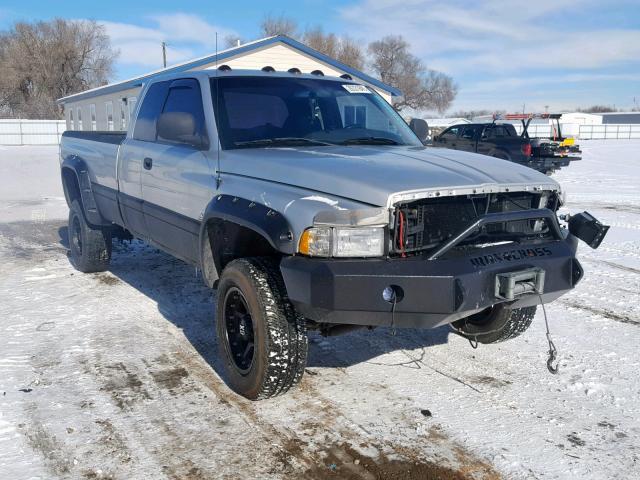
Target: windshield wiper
280 142
370 141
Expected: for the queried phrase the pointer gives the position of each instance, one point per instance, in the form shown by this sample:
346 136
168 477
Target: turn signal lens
316 242
342 242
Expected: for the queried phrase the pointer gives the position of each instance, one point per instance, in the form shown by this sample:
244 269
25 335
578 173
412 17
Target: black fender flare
90 210
263 220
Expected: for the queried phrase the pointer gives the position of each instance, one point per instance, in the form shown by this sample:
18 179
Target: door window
468 133
184 97
145 128
451 133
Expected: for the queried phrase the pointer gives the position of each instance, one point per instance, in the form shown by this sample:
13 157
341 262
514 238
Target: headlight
342 242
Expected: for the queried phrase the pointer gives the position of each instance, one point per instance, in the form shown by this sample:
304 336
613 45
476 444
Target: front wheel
260 335
496 324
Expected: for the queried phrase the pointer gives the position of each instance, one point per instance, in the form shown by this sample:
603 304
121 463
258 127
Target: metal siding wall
101 111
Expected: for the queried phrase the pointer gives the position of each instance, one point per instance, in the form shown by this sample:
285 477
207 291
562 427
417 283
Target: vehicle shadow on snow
185 301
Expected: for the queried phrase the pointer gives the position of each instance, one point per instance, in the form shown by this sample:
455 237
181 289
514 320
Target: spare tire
496 324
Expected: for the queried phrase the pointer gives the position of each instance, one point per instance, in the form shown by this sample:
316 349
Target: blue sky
502 54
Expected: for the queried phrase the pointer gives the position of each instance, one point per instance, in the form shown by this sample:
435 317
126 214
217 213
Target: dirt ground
116 375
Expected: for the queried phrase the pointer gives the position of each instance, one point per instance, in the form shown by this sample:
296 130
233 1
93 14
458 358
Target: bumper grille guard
492 218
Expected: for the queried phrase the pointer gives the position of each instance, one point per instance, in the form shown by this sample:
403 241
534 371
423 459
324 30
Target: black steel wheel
89 248
497 323
75 235
239 328
261 337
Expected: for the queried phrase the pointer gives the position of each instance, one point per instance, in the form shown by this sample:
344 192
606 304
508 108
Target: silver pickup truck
308 203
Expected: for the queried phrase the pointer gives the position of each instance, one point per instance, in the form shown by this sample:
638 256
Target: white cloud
184 27
458 36
187 36
510 83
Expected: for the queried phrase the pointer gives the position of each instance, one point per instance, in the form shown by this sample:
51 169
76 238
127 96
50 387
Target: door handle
148 163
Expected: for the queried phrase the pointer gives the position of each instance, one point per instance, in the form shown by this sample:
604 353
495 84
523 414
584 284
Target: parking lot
115 375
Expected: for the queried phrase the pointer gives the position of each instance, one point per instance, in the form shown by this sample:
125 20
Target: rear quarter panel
100 158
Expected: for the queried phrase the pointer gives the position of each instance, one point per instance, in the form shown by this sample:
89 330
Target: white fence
609 131
31 132
586 132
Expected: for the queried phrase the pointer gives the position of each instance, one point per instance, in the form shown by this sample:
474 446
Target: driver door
178 180
468 138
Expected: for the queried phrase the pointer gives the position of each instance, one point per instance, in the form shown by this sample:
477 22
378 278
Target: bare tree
351 53
281 25
471 114
343 49
598 109
422 89
327 43
41 62
439 90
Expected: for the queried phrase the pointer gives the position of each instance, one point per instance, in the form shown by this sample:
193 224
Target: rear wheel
260 335
497 323
90 248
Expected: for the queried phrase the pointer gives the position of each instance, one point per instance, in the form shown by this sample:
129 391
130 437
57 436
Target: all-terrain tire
497 324
90 248
251 290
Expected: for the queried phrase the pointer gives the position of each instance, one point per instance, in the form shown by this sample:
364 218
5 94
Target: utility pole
164 55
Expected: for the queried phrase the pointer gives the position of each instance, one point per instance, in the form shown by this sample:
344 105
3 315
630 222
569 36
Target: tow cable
553 352
394 300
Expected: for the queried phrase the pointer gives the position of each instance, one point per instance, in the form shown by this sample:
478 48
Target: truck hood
381 176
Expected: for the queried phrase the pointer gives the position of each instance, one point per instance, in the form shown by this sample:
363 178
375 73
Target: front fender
264 221
268 223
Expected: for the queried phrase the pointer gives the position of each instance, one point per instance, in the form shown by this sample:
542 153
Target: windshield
260 112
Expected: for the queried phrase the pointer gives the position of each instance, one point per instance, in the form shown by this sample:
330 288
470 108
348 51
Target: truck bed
98 149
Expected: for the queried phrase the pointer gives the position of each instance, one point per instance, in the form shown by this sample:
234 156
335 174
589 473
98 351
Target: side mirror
179 127
420 128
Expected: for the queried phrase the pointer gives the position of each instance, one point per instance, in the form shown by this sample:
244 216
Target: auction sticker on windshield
351 88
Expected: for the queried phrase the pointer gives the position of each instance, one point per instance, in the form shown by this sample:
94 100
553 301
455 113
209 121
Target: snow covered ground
114 375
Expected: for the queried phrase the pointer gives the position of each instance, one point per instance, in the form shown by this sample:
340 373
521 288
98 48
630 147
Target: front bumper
434 292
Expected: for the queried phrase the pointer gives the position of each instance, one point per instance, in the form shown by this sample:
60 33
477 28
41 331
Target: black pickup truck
500 141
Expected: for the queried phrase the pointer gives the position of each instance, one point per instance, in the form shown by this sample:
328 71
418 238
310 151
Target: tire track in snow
602 312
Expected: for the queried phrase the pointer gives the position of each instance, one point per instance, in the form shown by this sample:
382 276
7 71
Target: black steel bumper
434 292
